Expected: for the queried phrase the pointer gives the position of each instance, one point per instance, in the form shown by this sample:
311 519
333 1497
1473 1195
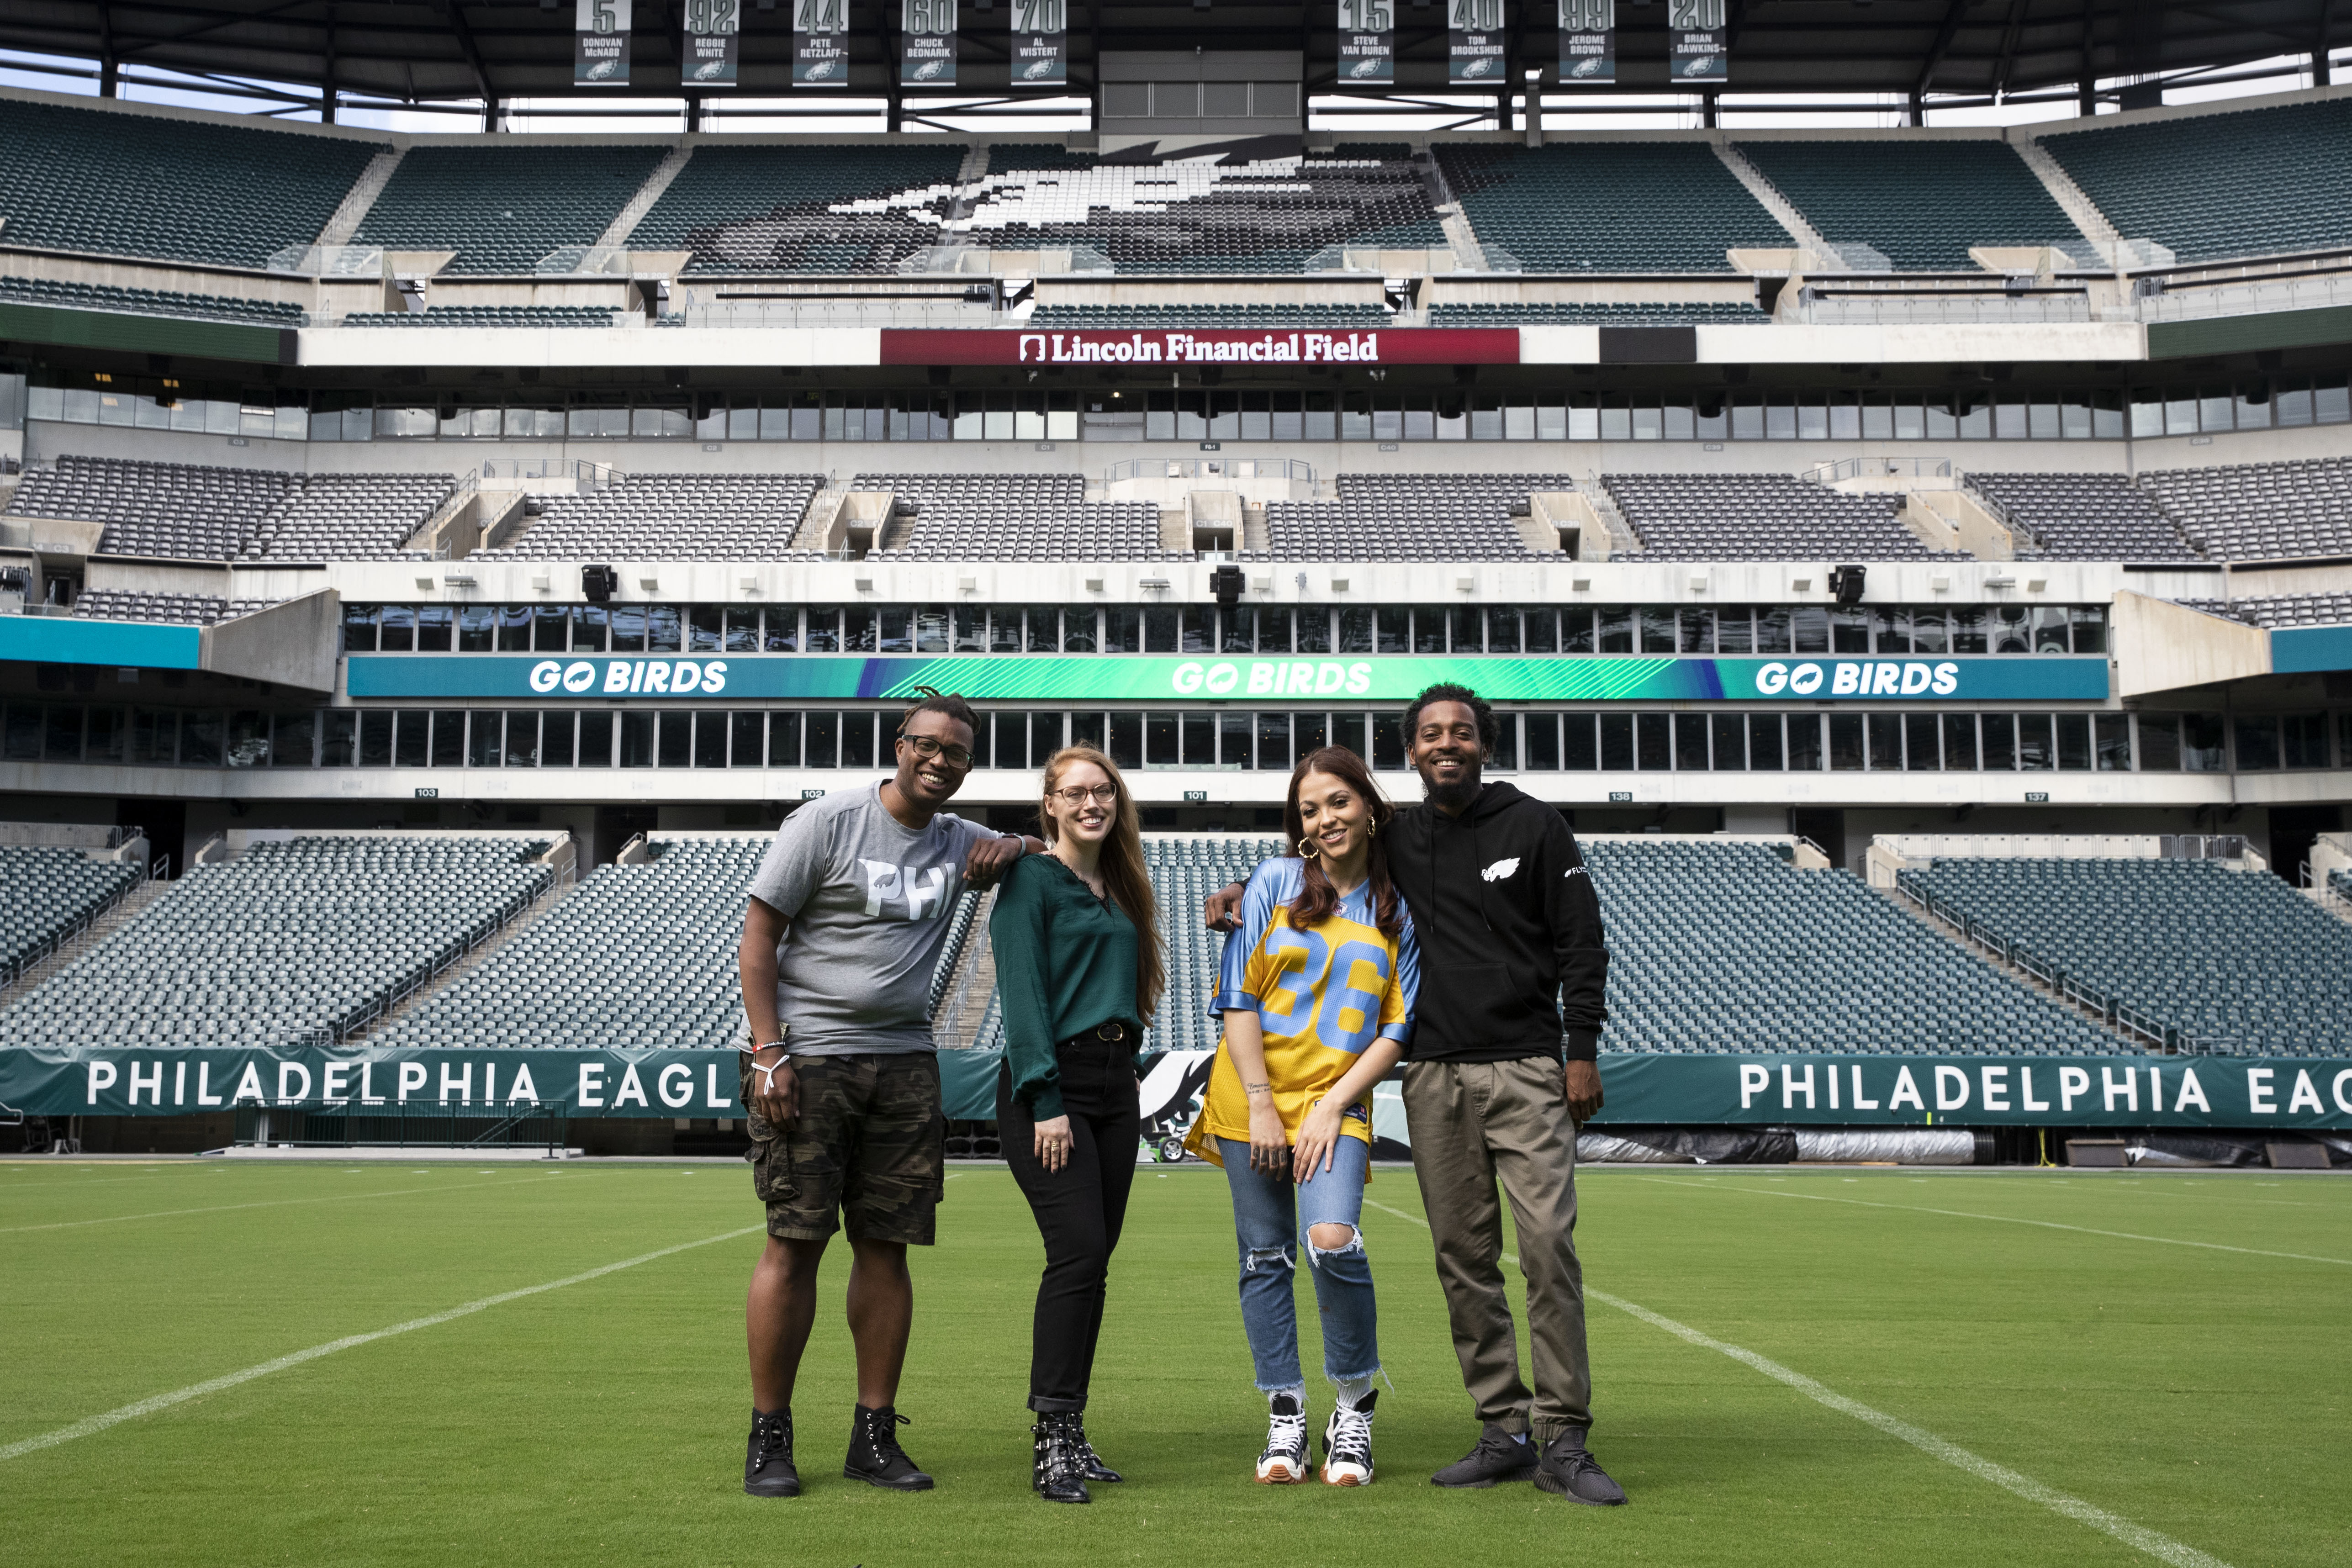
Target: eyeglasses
927 748
1080 794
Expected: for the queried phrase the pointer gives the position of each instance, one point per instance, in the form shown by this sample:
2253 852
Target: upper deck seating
1607 207
768 208
1920 204
2084 516
505 209
672 517
1558 313
2260 511
1409 516
1759 517
1014 517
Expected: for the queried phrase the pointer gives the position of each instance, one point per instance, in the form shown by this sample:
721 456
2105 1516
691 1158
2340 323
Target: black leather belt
1115 1032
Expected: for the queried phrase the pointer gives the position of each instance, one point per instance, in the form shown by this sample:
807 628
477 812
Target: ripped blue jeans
1272 1216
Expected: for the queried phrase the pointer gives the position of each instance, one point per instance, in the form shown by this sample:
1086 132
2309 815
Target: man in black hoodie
1501 1068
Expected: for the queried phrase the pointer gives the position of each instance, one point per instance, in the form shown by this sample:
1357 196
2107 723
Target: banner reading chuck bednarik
1475 43
713 30
1041 37
820 43
1368 41
1698 47
1588 40
600 56
926 43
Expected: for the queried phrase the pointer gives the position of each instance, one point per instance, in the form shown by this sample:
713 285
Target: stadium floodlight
597 582
1846 582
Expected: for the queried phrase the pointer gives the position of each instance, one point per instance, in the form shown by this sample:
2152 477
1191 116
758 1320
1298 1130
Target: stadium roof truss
286 56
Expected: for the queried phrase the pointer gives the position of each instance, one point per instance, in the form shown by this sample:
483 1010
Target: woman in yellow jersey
1317 990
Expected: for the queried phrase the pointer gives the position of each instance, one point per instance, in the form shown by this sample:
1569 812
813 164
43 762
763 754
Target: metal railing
736 315
589 477
396 1124
1879 468
2201 846
1988 309
2253 298
1210 467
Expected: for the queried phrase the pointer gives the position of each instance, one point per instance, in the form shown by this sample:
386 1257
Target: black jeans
1079 1210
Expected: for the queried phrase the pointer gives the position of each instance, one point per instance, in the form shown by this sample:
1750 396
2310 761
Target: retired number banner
1366 42
1698 47
926 43
600 57
1041 43
820 43
1475 43
713 28
1588 40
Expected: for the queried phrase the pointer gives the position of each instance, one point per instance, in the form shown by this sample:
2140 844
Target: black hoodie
1512 961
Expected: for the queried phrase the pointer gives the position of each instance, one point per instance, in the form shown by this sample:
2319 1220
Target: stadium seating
295 941
672 517
183 608
44 893
1241 316
149 302
484 316
118 184
1920 204
2282 609
347 516
635 955
178 510
802 208
1607 207
1271 215
1015 517
2082 517
2247 182
960 926
1729 947
1554 313
1408 517
504 209
1759 517
2237 959
2260 511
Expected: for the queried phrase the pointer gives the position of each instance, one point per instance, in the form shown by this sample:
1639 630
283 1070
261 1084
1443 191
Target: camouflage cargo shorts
867 1153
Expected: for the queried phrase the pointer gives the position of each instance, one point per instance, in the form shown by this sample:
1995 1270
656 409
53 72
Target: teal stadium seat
504 209
801 208
1921 204
45 893
1607 206
2252 182
150 302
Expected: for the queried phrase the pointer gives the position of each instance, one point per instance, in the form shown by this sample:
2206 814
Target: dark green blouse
1065 963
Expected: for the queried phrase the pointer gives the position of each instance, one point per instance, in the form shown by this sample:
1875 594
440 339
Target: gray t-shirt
868 903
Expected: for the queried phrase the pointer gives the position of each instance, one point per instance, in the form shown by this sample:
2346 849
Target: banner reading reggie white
1174 678
713 29
1286 346
601 55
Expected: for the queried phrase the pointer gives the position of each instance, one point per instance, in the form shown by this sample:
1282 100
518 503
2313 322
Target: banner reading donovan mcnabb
2241 1093
600 54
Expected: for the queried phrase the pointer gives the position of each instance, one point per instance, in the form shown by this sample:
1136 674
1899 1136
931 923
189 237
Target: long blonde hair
1123 871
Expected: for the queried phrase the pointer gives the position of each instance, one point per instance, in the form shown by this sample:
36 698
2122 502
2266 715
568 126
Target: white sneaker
1284 1463
1348 1445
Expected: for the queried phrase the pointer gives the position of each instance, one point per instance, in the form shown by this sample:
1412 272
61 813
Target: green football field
1806 1368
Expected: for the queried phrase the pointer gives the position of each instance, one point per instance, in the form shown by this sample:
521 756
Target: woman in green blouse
1079 970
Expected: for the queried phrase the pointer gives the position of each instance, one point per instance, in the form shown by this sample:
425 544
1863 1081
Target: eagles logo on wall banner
820 43
1041 39
1366 42
1474 45
712 29
600 57
926 43
1588 40
1698 48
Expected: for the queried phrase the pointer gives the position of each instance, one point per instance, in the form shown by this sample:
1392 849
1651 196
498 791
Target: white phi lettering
923 896
153 1085
1753 1077
101 1076
882 882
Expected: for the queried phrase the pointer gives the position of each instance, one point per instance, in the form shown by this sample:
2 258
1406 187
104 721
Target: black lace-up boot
875 1456
768 1460
1058 1470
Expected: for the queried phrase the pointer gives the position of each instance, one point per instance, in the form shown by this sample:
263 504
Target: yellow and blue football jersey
1322 994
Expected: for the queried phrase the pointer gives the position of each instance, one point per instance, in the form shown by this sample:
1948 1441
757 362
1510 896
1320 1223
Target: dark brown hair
1123 872
948 703
1317 899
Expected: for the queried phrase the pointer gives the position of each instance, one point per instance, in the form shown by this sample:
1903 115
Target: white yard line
265 1203
1998 1219
2139 1537
147 1406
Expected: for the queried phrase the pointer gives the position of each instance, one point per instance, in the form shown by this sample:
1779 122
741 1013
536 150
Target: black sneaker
1570 1471
875 1456
1095 1469
1348 1444
1500 1456
768 1458
1057 1471
1284 1463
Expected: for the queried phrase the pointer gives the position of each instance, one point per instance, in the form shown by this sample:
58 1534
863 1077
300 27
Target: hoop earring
1373 832
1308 849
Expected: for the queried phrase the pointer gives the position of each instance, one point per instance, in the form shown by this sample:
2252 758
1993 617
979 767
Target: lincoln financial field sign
1172 678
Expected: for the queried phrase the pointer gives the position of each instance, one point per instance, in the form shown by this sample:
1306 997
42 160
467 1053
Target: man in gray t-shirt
846 918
